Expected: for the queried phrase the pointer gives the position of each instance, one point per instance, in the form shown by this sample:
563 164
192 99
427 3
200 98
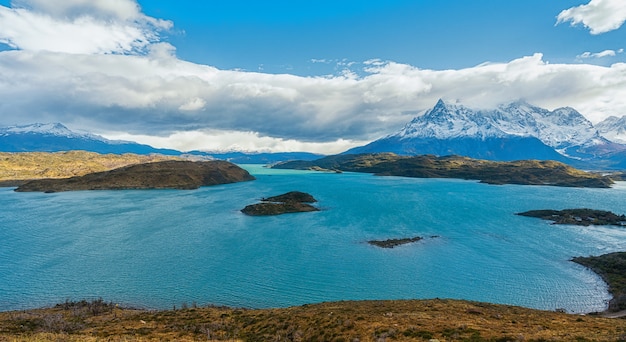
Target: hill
169 174
400 320
15 168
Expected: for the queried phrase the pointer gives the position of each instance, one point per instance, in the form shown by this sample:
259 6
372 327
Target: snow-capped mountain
614 129
513 131
54 137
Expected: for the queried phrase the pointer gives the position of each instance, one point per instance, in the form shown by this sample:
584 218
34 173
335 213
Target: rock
291 202
158 175
391 243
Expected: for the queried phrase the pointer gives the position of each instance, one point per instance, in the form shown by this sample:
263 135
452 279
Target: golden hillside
37 165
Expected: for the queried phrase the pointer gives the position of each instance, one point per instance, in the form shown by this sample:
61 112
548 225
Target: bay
165 248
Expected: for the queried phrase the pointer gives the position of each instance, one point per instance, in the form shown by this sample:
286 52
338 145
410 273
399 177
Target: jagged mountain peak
613 128
512 130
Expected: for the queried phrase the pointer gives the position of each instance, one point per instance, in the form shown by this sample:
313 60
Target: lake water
166 248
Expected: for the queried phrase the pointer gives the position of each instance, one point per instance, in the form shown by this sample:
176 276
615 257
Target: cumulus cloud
79 26
599 16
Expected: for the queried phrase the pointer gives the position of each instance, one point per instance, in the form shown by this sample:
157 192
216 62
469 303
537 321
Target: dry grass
444 320
37 165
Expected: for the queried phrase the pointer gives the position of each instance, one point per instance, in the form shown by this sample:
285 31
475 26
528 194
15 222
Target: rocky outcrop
158 175
580 217
291 202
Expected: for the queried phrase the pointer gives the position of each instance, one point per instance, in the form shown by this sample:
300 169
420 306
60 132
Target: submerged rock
158 175
291 202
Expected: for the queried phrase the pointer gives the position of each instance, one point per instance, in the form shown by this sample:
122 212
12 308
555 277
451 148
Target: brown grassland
36 165
405 320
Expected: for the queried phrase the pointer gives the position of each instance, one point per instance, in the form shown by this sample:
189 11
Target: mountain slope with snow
54 137
513 131
614 129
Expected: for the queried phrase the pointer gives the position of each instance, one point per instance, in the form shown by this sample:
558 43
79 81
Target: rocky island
580 217
391 243
291 202
170 174
524 172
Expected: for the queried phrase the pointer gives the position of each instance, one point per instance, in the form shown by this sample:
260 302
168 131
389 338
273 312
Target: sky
319 76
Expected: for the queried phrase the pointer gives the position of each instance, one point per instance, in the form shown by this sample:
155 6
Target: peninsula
171 174
524 172
612 268
291 202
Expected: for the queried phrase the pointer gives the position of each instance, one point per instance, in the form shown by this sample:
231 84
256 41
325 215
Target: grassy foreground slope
37 165
407 320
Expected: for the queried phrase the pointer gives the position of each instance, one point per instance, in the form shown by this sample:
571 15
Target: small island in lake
580 217
523 172
171 174
291 202
391 243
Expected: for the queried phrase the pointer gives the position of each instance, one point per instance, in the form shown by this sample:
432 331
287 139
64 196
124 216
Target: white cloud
224 141
599 16
193 105
79 26
602 54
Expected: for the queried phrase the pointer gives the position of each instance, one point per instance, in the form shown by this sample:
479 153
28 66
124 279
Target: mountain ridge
513 131
56 137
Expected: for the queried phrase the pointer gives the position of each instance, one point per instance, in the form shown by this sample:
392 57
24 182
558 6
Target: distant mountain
613 128
54 137
510 132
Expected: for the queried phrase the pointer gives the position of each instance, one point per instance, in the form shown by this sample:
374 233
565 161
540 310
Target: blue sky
285 36
319 76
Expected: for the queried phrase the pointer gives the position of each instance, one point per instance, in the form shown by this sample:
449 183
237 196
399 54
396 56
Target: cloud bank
130 85
79 26
599 16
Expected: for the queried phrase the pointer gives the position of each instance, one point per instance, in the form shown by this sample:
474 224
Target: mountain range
54 137
512 131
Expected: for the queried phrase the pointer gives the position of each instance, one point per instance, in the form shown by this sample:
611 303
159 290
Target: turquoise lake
165 248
